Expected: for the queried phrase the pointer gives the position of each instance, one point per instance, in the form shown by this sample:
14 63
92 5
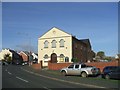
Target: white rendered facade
55 41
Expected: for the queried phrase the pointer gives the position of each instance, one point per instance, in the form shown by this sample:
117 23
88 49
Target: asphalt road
23 77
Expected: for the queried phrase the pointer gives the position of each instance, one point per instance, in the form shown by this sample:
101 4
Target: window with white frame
46 58
54 43
66 59
62 43
46 44
62 58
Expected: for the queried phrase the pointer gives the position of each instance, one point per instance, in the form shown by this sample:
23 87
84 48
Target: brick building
24 55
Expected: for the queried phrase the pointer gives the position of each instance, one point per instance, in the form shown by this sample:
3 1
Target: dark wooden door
53 58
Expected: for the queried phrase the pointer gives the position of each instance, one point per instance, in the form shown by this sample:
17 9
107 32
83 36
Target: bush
7 58
74 60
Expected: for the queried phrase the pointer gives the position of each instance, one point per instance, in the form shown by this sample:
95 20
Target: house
35 57
16 58
58 46
24 55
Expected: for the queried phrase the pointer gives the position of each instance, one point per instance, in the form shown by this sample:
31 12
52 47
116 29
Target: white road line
47 88
9 73
22 79
88 85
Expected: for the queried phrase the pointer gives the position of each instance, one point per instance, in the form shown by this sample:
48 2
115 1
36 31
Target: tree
7 58
74 60
101 54
108 58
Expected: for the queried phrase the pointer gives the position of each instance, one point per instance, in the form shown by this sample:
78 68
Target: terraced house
58 46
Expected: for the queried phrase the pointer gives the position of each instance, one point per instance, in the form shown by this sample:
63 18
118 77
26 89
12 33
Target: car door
115 73
77 69
70 69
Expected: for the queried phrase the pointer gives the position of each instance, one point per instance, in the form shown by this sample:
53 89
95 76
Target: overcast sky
23 23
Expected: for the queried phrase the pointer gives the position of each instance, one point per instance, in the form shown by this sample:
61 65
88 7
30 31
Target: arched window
62 58
46 44
62 43
54 44
66 59
46 56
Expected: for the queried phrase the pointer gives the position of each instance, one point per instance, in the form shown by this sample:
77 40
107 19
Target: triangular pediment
54 32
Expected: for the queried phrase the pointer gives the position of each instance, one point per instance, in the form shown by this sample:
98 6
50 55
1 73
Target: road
14 76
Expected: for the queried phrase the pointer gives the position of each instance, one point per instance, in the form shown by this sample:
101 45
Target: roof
86 41
15 54
23 53
53 29
26 52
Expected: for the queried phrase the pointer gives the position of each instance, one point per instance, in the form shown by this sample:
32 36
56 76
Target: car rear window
110 68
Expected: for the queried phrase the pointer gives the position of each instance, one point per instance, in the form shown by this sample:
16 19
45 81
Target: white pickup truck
80 69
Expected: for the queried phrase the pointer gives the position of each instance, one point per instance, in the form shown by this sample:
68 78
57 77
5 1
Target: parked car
80 69
25 63
111 72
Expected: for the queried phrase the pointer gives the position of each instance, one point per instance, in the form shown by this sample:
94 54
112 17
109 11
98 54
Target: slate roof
86 41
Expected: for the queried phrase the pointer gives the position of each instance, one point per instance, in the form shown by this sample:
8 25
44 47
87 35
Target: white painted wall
55 34
34 56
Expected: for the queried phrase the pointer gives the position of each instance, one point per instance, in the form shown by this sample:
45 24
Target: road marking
88 85
22 79
9 73
47 88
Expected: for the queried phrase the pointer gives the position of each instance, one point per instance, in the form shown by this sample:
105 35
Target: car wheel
107 76
63 73
84 74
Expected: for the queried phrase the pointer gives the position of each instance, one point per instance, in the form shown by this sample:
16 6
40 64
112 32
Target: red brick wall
57 66
101 65
37 66
77 52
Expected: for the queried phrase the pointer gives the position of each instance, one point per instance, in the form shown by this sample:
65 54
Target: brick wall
101 65
37 66
77 51
57 66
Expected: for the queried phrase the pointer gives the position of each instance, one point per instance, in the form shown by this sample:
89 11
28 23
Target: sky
24 22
